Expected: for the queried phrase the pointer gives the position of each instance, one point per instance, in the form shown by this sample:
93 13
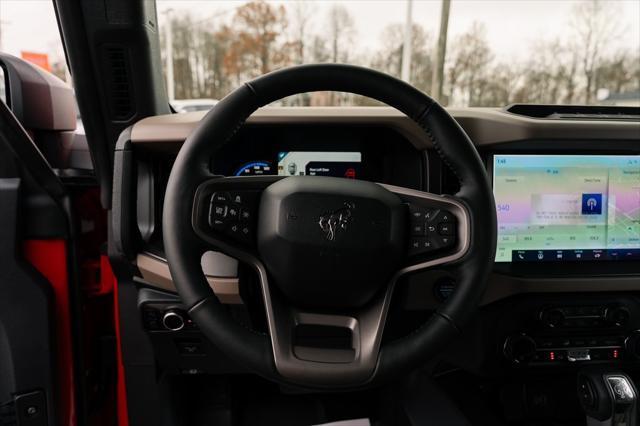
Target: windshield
464 53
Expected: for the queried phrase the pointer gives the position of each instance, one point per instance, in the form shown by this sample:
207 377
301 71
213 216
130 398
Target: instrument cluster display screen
310 163
567 207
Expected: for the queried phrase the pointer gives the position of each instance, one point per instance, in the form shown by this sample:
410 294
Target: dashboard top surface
486 127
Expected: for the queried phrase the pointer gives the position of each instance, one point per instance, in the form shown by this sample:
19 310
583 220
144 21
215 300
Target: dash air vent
119 87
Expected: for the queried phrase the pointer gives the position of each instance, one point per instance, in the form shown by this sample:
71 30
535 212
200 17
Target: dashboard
567 191
567 194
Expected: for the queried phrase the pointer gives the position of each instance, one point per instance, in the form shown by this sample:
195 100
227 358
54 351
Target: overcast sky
511 25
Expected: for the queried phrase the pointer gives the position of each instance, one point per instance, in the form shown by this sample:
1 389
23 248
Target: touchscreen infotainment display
313 163
567 207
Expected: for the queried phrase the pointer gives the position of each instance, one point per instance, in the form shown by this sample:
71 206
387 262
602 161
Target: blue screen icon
591 203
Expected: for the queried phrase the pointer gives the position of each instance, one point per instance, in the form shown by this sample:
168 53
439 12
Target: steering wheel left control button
218 224
218 210
220 197
246 215
233 212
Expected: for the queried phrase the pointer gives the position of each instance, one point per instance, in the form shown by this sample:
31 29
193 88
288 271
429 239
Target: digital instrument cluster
306 163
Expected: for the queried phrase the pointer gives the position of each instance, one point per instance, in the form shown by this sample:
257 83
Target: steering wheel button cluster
431 230
232 213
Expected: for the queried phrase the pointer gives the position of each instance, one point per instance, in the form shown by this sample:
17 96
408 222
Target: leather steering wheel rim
183 247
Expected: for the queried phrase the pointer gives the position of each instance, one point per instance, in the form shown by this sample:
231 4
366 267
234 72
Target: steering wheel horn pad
330 242
328 252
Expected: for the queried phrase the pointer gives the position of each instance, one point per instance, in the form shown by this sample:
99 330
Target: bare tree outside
389 57
302 12
341 29
437 81
471 59
595 23
213 56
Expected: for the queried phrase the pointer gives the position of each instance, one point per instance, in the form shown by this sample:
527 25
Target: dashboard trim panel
155 271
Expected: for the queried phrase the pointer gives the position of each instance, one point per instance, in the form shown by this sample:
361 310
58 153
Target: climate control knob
552 318
173 320
519 348
617 316
632 345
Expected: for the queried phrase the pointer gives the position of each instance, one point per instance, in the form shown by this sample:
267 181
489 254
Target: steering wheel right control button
432 230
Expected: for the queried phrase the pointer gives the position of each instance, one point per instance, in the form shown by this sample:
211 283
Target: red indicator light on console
552 356
615 354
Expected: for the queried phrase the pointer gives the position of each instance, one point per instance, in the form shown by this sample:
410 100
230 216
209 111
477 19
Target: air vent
119 87
576 112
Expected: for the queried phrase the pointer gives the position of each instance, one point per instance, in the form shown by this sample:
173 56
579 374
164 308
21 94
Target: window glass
493 53
29 30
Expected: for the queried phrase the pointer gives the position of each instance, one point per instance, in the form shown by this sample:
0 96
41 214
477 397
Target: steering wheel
328 251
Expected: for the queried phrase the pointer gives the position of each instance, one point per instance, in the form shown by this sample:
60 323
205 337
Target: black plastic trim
86 28
581 112
126 235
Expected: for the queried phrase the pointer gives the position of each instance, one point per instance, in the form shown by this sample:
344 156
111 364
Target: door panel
27 342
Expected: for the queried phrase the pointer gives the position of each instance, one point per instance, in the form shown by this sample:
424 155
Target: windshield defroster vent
576 112
118 80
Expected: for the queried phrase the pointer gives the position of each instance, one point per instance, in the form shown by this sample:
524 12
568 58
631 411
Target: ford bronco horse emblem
331 222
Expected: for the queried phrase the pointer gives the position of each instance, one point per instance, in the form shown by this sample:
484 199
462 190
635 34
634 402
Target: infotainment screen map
311 163
567 207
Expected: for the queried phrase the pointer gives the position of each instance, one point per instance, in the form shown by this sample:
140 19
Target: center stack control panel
575 334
